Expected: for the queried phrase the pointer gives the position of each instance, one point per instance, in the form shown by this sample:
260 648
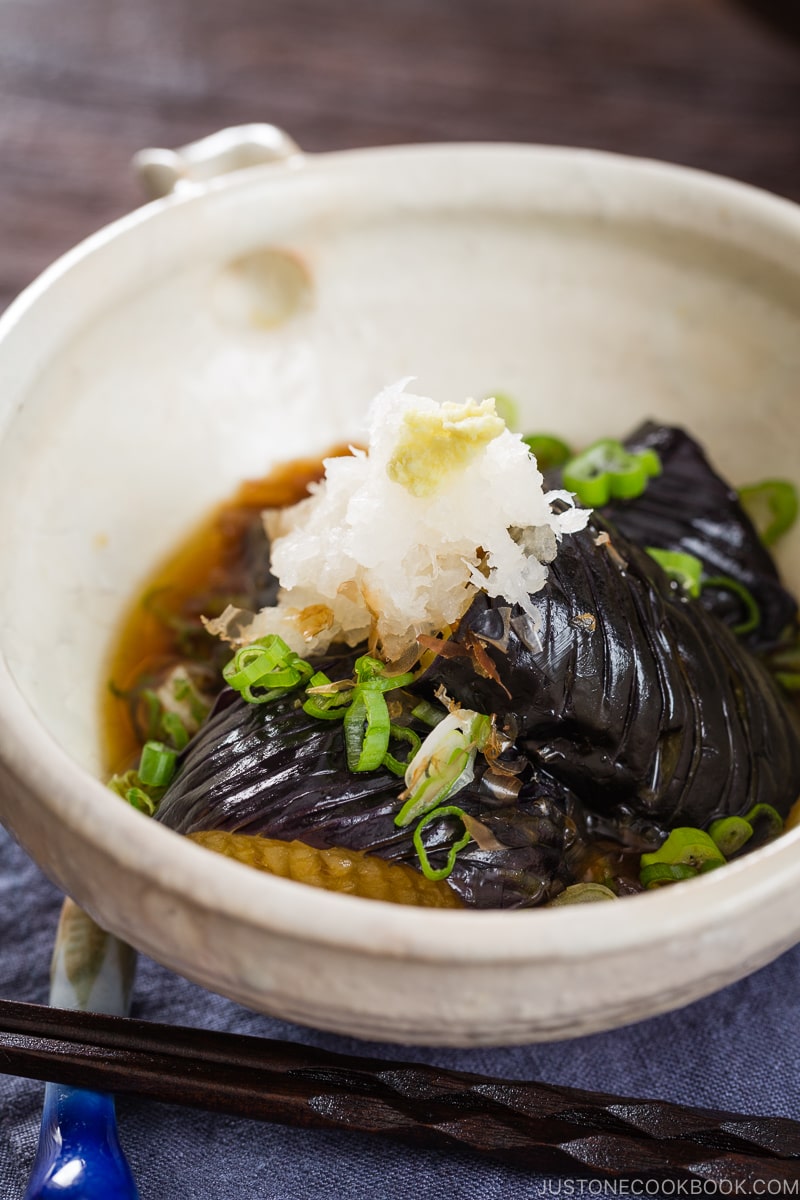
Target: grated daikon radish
396 541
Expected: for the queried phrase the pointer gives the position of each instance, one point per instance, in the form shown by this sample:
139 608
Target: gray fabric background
739 1049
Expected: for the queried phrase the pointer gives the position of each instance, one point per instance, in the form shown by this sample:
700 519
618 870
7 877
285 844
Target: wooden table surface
85 84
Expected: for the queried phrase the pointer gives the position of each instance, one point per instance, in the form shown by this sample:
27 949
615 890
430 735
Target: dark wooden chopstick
530 1125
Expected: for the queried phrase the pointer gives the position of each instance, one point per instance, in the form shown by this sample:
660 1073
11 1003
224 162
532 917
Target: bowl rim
136 844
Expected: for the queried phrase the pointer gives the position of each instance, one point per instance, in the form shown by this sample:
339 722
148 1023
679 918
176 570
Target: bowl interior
209 336
217 335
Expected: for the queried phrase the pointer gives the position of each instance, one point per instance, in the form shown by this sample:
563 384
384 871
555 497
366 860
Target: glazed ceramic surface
251 318
79 1156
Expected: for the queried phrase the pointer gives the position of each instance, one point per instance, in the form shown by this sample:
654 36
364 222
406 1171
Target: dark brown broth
199 578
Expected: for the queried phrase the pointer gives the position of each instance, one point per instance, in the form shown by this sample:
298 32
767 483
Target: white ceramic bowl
168 357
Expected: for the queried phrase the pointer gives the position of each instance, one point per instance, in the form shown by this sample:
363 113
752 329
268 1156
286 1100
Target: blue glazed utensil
79 1156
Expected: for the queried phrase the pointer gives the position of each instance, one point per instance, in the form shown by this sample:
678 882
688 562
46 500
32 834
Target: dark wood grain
84 85
533 1126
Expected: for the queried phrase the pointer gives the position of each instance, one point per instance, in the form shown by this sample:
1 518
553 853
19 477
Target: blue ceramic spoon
79 1156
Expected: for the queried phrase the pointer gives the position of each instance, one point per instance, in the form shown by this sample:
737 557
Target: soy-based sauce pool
217 564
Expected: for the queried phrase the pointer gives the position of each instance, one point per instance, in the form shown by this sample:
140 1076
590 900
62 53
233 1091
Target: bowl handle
162 172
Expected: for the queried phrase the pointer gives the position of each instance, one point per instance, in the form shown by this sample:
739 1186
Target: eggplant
635 708
631 693
272 770
690 508
632 707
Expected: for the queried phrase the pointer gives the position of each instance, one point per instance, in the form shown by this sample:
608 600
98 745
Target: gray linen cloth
738 1049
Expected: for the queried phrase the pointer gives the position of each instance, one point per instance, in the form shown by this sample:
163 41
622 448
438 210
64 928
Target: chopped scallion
134 792
439 872
607 471
752 617
153 711
373 671
174 730
138 798
366 729
730 834
121 784
772 506
315 706
685 852
269 664
402 733
362 706
429 714
157 764
684 569
548 451
660 873
185 692
769 820
444 762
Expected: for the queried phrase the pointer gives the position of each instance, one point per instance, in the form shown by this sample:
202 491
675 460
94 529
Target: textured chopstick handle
530 1125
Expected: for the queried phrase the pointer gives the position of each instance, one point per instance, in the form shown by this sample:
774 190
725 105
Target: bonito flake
395 542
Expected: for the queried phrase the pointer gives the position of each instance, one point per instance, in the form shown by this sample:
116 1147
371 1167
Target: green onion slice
548 451
324 701
264 696
684 569
367 668
153 710
362 706
367 726
444 763
772 506
660 873
267 663
185 692
138 798
752 616
366 729
160 722
130 788
121 784
429 714
315 706
157 764
428 871
685 848
607 471
730 834
373 671
174 730
769 819
403 734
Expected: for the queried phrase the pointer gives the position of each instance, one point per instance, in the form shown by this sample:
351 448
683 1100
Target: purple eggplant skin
690 508
638 710
638 698
274 771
